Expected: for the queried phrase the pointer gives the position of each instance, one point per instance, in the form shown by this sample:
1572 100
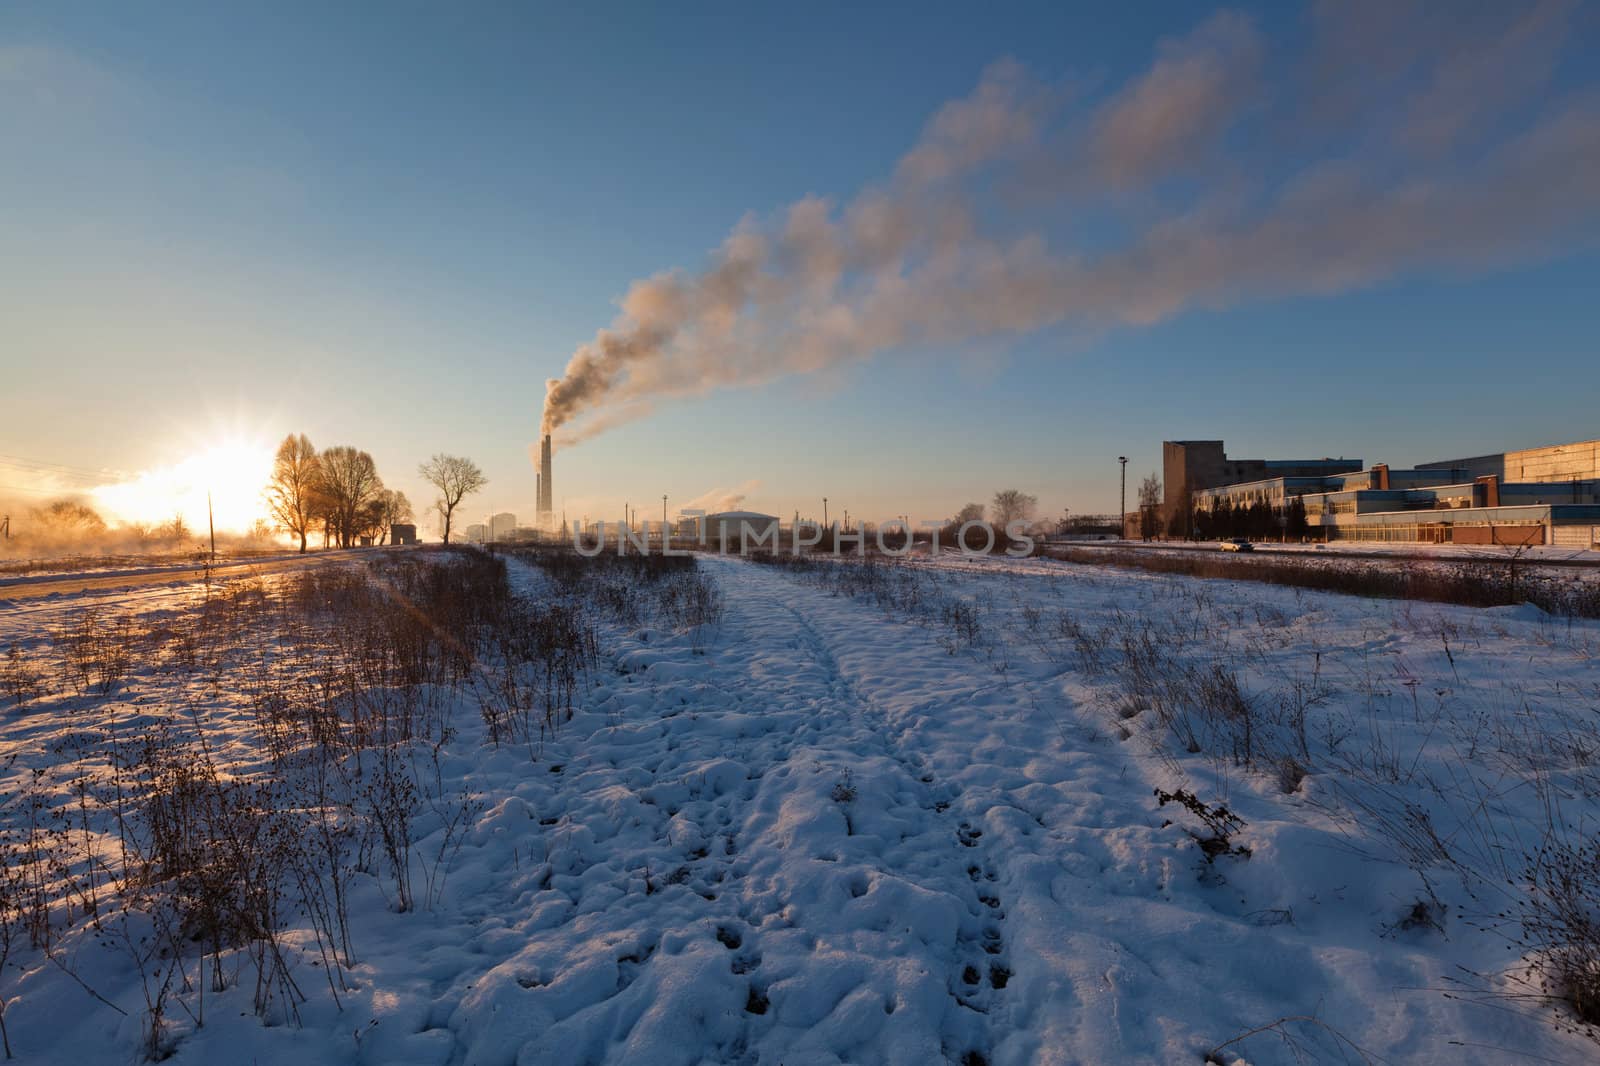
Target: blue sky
388 225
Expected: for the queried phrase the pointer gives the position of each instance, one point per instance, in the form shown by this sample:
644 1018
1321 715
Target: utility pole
5 526
664 537
211 524
824 512
1122 510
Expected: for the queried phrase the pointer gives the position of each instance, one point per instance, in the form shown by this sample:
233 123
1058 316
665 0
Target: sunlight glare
235 471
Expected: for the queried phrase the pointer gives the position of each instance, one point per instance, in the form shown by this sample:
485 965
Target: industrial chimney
545 493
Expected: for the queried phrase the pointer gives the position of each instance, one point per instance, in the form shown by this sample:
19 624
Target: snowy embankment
34 570
909 818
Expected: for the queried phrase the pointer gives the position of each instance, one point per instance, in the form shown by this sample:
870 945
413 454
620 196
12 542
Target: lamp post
824 512
664 537
1122 510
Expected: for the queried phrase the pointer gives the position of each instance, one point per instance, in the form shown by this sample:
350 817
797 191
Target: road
1421 553
72 584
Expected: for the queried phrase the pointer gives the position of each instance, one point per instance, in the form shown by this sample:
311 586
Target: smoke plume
1398 139
715 501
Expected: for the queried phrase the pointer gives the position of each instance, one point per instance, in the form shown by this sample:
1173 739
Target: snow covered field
899 814
1446 552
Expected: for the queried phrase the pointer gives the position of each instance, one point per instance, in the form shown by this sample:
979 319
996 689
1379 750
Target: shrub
1559 916
20 680
1472 583
1219 823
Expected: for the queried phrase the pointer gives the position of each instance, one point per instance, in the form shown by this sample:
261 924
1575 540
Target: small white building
725 527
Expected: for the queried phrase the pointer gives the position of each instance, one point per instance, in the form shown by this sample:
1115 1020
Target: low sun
234 471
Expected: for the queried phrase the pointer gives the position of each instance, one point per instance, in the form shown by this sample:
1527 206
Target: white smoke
1367 160
714 501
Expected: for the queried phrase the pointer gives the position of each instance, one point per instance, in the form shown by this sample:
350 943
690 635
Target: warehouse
1547 495
724 529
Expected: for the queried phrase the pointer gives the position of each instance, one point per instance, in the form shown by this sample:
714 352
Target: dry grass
191 843
1470 583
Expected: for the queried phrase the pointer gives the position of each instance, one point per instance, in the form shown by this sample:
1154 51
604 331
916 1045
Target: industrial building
502 527
403 533
476 533
1537 496
1187 466
724 528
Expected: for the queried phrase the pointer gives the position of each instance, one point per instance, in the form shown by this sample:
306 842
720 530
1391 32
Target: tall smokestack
545 493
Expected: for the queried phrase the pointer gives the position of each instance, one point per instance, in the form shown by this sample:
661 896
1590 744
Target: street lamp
1122 513
824 512
663 521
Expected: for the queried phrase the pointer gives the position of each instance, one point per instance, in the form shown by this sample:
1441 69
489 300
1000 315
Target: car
1238 544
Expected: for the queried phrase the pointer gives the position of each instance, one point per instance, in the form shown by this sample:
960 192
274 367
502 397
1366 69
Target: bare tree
1149 507
69 516
1012 505
455 478
390 506
292 490
348 487
397 508
972 512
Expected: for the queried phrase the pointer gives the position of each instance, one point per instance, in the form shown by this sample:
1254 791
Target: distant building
477 533
1188 466
726 527
1553 499
501 526
1555 462
402 533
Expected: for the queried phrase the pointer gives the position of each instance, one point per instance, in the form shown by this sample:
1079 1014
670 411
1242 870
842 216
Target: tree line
1008 505
338 492
1225 521
1257 521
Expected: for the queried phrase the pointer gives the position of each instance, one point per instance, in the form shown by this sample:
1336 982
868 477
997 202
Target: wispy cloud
45 79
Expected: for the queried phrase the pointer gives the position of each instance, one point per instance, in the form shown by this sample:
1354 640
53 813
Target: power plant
546 496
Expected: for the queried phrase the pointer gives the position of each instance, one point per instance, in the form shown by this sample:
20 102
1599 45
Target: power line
46 462
60 476
59 468
33 491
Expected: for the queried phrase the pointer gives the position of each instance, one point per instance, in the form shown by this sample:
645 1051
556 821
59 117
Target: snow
35 571
831 833
1534 553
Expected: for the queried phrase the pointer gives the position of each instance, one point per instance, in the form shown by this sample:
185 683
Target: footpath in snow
821 835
